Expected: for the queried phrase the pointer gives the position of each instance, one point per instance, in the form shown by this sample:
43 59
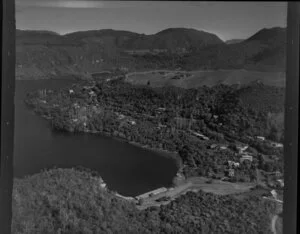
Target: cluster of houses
276 182
244 156
91 92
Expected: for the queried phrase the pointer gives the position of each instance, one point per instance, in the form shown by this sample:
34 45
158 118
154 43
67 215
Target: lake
127 169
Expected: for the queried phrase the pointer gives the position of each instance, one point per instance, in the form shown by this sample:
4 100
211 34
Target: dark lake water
127 169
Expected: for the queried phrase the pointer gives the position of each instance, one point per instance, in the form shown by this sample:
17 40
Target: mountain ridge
48 54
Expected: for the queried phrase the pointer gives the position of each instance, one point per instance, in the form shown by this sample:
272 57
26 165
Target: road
273 224
195 184
275 217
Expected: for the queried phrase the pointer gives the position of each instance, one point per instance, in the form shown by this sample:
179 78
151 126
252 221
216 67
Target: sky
228 20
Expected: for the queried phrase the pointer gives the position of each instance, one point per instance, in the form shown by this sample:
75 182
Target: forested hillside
72 201
42 54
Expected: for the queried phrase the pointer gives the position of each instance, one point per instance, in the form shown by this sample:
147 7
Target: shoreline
162 152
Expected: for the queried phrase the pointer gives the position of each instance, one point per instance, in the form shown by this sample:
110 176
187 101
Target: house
246 157
274 194
281 183
261 138
132 122
92 94
242 148
71 91
161 109
278 174
230 172
204 138
225 178
233 164
76 105
276 145
223 147
87 87
230 163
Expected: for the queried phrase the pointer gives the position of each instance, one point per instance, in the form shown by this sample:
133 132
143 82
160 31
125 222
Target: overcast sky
229 20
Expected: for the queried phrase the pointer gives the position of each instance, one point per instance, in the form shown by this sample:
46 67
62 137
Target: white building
223 147
92 93
76 105
261 138
231 172
277 145
121 116
274 194
281 182
242 148
233 164
132 122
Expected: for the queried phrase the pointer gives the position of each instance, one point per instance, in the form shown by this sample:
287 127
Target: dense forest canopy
72 201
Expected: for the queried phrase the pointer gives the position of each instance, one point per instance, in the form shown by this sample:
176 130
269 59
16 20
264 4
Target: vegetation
171 119
80 53
72 201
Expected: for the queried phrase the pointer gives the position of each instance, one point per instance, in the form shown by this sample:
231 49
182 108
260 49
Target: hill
72 201
264 51
175 39
42 54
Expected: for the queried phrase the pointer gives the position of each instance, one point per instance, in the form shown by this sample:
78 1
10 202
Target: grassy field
195 79
195 184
